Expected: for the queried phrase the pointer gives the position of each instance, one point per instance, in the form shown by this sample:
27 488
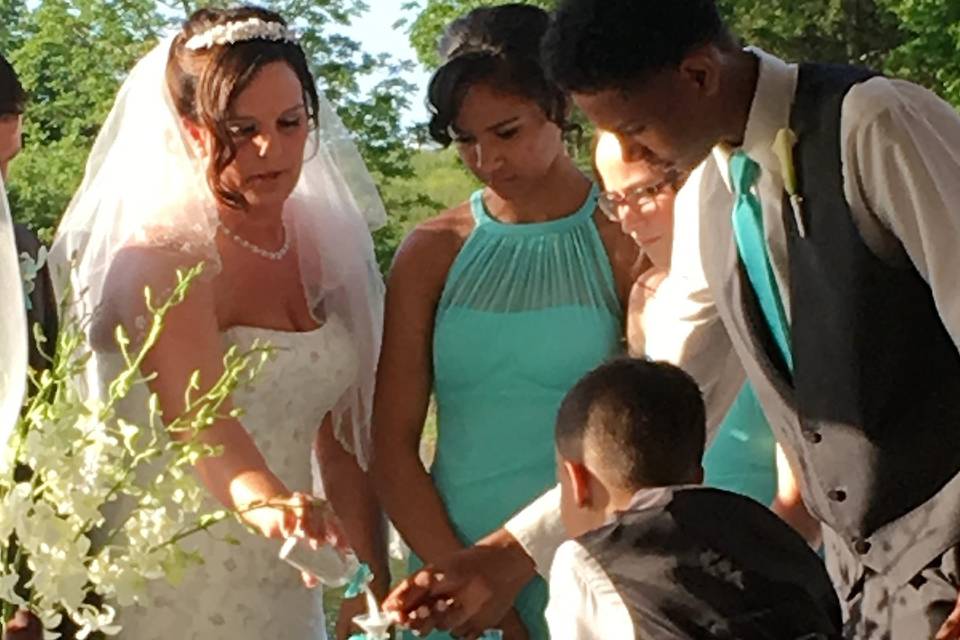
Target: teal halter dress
526 311
742 457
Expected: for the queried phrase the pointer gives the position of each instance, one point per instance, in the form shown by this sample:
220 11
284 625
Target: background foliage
72 55
915 39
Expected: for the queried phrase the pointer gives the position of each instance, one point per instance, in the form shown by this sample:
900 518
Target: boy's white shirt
539 529
584 604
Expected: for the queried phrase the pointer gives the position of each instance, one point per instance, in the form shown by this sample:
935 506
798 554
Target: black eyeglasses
636 197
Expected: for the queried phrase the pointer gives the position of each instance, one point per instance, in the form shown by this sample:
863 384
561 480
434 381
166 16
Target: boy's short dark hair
13 99
643 421
595 45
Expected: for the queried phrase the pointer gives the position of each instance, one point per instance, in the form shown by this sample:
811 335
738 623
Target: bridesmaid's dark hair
498 46
204 82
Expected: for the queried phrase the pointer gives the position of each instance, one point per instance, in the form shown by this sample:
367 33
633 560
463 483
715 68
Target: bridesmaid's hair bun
498 46
516 28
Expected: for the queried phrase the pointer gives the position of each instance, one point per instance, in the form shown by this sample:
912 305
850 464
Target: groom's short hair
595 45
13 99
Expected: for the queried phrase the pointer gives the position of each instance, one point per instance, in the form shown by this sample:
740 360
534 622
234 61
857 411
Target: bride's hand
298 515
312 519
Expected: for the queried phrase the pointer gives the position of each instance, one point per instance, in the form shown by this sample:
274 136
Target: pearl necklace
263 253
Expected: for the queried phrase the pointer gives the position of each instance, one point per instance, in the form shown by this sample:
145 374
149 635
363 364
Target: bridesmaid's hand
469 591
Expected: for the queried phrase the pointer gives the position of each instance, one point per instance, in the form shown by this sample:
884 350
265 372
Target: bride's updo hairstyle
498 46
204 77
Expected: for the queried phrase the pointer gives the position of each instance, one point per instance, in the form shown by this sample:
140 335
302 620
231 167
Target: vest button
861 546
837 495
812 436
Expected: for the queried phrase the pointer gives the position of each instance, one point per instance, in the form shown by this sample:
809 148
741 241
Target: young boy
654 555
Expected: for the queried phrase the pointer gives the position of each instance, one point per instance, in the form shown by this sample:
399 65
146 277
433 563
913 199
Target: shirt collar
769 112
651 498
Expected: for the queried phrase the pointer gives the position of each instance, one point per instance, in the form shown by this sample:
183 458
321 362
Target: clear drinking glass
332 567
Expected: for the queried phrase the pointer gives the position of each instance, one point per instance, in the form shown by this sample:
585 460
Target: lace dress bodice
304 378
245 591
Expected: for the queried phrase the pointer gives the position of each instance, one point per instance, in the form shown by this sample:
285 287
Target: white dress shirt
900 147
584 604
13 326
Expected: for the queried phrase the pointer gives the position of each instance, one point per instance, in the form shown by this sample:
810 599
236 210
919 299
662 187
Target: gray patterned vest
707 563
877 375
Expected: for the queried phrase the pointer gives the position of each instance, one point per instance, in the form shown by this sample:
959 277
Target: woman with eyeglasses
743 455
498 306
640 200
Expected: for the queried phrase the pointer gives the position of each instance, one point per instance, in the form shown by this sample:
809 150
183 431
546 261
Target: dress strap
478 209
482 217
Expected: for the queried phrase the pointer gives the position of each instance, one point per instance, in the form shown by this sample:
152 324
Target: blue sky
376 33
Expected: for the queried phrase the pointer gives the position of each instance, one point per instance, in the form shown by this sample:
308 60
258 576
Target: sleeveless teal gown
742 456
526 311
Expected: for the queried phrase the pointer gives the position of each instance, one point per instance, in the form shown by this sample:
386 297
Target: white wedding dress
245 592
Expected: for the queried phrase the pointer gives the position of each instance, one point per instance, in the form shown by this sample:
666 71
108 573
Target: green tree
72 56
11 13
850 31
918 40
914 39
930 50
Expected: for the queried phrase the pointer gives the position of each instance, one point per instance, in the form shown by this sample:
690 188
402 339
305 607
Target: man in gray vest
40 304
816 248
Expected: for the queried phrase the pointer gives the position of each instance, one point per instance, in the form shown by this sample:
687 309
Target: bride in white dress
218 149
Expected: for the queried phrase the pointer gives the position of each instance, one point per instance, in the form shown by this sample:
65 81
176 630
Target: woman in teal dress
742 455
498 306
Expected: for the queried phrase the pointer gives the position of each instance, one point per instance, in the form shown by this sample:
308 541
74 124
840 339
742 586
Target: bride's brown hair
204 82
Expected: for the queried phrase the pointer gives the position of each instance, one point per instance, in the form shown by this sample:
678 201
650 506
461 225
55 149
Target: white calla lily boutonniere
783 147
29 269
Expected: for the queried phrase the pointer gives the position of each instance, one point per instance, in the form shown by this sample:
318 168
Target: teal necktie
752 245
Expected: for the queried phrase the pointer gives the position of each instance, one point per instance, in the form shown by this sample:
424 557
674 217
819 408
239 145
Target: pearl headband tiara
240 31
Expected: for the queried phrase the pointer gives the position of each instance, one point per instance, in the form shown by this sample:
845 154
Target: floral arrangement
72 461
